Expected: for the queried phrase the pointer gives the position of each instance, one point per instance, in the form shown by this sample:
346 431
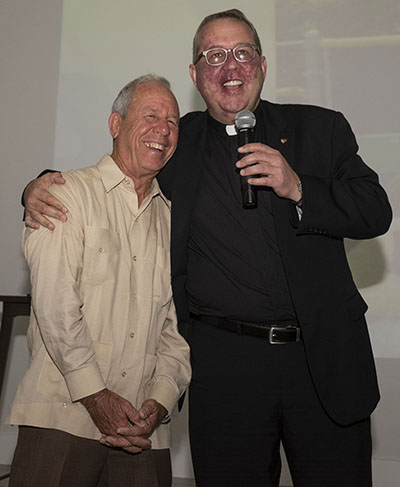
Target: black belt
275 332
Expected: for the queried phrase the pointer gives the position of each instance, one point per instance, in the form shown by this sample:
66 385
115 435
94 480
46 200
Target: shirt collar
110 173
230 130
112 176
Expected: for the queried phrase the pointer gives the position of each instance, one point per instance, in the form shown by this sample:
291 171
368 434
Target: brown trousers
51 458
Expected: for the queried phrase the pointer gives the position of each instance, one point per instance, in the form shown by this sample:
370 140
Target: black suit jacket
341 198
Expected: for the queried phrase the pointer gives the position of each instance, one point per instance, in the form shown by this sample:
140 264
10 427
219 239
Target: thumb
134 417
58 178
148 408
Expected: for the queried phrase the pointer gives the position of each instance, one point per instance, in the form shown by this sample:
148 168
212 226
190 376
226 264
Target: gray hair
234 14
123 101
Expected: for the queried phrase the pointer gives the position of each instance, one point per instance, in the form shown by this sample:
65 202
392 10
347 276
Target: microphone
245 122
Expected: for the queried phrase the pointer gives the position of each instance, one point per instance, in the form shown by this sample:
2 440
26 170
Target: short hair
124 98
232 13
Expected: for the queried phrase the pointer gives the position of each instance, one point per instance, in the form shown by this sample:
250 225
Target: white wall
29 55
62 64
29 59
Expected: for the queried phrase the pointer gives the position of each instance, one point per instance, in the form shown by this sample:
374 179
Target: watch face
300 186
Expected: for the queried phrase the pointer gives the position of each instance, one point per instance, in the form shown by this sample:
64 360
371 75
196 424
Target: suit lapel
279 134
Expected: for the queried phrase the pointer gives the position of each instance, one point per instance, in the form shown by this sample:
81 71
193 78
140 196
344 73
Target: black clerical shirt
234 266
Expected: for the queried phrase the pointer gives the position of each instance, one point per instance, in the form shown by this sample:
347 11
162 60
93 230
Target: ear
114 124
193 73
264 66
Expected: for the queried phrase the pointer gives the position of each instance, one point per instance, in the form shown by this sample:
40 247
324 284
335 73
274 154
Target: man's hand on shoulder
39 202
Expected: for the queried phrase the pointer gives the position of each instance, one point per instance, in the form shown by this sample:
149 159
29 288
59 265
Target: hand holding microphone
273 170
245 122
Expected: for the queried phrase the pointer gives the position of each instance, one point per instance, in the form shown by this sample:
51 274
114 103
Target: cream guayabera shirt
102 310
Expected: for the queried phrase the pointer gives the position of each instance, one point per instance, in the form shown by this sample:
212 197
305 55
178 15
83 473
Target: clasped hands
122 425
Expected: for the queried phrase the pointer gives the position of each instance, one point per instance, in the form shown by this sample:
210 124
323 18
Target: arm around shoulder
39 202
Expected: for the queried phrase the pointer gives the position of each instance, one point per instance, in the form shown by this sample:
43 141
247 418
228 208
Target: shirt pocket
51 382
102 255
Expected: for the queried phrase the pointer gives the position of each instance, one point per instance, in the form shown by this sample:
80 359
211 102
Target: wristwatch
300 189
166 419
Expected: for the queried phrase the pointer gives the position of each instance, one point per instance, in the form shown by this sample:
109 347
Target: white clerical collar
230 129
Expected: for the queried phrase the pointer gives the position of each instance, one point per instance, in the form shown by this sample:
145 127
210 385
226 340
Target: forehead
153 96
225 33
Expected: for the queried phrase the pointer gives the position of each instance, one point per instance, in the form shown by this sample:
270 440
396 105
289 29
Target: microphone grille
245 120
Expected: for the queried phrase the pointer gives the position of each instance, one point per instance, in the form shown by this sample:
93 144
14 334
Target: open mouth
233 82
155 145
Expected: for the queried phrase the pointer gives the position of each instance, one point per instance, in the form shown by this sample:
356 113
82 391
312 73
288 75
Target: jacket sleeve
350 202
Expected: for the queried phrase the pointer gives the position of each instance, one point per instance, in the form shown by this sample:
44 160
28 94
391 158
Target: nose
162 127
231 61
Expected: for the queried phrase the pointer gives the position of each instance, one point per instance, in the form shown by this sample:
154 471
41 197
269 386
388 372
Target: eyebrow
237 45
150 109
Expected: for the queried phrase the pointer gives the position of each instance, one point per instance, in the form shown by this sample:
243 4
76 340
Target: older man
280 347
105 348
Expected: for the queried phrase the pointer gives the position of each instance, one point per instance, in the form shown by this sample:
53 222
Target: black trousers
51 458
246 398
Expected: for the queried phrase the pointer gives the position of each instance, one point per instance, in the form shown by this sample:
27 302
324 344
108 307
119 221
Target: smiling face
234 86
147 137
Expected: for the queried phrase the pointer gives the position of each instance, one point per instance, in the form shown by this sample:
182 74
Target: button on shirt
102 308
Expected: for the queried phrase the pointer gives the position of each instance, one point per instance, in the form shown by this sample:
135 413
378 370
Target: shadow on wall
386 433
196 101
180 451
367 261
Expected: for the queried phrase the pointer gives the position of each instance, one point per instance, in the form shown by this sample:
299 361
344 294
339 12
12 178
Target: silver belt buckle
272 339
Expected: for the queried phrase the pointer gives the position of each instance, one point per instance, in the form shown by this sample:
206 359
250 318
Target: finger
46 210
144 444
253 170
46 180
256 146
133 449
150 407
140 442
52 201
123 442
58 178
256 158
39 219
46 203
262 181
145 412
135 419
31 223
114 441
134 430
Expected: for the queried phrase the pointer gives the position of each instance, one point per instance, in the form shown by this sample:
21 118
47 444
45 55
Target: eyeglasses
217 56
